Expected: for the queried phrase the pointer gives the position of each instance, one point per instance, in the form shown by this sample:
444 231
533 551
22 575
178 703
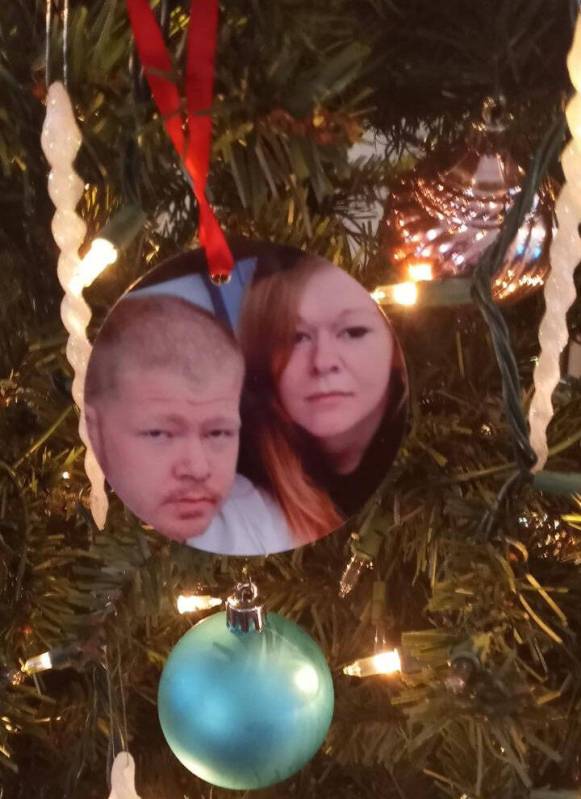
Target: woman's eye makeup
355 331
348 332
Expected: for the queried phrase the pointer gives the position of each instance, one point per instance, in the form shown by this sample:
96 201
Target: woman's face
338 372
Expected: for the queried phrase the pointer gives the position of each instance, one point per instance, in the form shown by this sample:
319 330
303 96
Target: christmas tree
475 577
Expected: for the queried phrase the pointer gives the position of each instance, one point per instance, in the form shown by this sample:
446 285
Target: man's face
168 447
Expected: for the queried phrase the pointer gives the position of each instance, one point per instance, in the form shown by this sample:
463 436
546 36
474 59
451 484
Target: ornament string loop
65 43
47 53
191 132
48 43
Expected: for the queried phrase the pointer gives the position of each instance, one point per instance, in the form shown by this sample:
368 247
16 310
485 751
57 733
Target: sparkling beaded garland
60 141
565 254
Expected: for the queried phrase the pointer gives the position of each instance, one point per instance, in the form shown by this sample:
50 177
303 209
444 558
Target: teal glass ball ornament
244 710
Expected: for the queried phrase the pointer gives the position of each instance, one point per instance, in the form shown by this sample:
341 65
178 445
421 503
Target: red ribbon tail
212 239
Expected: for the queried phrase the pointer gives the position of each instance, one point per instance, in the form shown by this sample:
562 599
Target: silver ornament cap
243 611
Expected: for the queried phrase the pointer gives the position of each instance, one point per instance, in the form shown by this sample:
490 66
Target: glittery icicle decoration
61 140
565 254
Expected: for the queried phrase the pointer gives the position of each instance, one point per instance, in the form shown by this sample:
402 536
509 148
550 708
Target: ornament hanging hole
494 114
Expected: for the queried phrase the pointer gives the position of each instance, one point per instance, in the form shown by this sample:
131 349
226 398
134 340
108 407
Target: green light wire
488 267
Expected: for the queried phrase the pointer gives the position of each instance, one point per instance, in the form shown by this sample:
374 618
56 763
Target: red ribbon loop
190 132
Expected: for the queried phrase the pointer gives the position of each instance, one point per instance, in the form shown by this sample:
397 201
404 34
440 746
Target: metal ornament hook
220 279
243 612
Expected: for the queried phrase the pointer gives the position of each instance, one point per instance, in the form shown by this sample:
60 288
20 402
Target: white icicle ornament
61 139
123 777
565 254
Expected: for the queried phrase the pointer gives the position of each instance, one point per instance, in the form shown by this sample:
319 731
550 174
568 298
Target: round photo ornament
251 417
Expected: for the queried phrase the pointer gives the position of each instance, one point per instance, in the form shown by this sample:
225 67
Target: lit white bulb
565 254
101 254
385 662
420 271
190 603
396 294
61 139
38 663
405 293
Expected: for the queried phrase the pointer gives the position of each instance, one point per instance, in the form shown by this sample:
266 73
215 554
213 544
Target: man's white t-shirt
249 522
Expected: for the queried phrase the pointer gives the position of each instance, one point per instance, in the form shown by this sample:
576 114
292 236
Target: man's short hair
160 331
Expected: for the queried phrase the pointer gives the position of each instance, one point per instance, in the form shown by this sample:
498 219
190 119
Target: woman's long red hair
267 330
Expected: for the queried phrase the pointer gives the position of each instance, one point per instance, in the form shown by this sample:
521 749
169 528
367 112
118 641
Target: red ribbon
193 146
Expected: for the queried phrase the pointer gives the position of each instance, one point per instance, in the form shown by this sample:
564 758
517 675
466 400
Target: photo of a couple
250 418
